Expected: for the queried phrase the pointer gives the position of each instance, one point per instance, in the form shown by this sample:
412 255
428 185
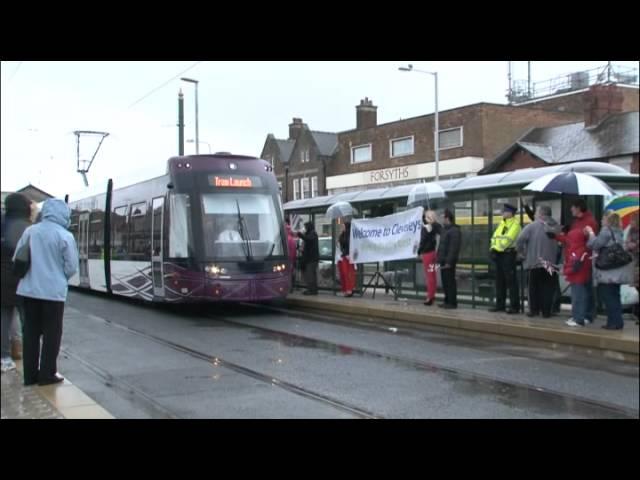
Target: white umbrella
571 183
422 194
340 209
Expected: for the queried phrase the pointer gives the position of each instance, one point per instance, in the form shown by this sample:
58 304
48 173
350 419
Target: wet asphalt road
230 361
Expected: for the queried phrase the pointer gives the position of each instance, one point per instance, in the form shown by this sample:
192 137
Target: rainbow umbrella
624 205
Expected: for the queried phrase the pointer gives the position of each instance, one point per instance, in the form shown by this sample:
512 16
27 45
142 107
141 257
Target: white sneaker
572 323
587 321
7 364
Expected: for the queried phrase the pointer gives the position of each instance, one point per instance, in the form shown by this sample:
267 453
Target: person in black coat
15 221
448 253
310 257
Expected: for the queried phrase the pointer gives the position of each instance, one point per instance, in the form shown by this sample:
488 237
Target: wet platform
480 323
60 401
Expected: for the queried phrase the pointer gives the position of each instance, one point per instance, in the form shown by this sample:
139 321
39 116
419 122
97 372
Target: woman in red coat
347 269
577 264
292 247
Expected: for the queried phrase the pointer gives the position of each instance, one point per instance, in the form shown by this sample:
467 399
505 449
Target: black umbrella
571 183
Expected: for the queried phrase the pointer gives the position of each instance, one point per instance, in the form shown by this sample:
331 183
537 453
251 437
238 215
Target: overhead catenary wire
165 83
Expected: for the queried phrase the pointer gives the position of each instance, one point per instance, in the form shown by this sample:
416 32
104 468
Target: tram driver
229 233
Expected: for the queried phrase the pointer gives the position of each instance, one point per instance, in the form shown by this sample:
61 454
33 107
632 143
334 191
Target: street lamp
191 140
409 68
195 82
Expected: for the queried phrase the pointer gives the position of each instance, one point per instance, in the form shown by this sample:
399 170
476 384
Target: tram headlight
214 269
281 267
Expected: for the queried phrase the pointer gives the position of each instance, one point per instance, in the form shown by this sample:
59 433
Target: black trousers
449 285
541 291
43 318
311 276
507 279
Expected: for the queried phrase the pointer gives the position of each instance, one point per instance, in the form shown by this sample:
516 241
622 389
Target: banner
394 237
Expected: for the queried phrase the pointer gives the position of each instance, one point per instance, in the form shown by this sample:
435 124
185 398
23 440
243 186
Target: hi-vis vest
505 235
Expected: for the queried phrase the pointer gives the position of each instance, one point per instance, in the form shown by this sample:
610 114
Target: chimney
295 128
366 115
600 102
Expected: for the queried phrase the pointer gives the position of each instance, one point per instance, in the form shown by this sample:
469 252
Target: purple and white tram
211 229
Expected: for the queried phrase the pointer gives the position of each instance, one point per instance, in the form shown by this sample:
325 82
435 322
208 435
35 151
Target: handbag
576 266
22 260
613 256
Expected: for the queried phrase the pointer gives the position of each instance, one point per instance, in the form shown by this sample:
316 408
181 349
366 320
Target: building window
296 189
401 146
272 160
304 156
280 189
361 154
306 193
314 187
451 138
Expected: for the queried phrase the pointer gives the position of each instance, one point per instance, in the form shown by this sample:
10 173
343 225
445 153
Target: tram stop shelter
477 204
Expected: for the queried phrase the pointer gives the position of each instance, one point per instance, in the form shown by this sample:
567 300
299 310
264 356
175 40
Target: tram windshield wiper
273 246
245 237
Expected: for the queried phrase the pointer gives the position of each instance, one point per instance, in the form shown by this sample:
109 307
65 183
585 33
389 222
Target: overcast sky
239 104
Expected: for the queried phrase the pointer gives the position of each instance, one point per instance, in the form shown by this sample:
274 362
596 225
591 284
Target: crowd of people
38 259
538 246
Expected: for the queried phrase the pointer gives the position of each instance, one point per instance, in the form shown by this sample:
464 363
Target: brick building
606 133
300 162
372 155
394 153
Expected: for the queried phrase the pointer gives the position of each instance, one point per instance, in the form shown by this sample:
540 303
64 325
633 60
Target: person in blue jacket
54 260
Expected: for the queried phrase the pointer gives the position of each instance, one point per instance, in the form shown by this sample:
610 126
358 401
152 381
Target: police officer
503 253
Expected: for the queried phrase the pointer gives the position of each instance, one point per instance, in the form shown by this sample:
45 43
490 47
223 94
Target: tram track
221 362
430 333
534 393
133 394
562 402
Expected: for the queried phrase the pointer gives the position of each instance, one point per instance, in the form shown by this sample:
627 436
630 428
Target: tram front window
240 226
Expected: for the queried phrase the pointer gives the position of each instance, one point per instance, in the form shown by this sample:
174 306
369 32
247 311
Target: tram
210 229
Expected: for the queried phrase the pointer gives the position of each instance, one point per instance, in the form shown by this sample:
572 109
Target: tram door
157 221
83 249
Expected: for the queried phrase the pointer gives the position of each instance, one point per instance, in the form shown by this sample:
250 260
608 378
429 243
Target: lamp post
195 82
436 143
191 140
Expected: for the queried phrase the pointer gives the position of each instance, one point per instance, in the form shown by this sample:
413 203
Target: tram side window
179 225
119 234
139 232
73 226
96 234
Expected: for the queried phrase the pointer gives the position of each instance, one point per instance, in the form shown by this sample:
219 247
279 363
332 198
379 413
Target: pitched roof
616 135
540 150
32 189
286 149
327 142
